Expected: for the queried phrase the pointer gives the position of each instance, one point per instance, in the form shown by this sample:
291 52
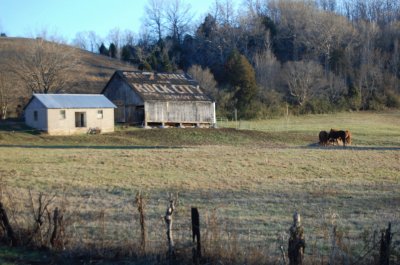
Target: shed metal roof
74 101
164 86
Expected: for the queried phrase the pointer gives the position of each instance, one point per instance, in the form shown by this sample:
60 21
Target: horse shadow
354 147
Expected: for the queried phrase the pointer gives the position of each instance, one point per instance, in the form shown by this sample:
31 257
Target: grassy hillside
90 75
246 184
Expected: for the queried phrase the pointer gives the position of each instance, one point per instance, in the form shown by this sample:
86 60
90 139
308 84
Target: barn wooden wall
179 112
126 100
160 103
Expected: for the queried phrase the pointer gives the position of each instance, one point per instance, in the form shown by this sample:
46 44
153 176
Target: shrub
392 100
316 106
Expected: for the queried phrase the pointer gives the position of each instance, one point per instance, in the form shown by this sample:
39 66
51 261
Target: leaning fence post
55 228
296 241
196 235
168 222
386 239
6 224
56 239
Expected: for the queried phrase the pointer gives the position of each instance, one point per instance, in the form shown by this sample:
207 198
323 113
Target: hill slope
90 75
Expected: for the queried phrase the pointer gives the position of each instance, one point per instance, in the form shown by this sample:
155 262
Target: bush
316 106
354 98
392 100
376 102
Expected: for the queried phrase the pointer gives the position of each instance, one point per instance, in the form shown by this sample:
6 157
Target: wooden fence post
296 241
6 224
196 235
55 228
168 222
140 206
56 239
386 239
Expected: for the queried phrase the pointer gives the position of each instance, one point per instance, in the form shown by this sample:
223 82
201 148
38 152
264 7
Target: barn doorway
80 119
139 114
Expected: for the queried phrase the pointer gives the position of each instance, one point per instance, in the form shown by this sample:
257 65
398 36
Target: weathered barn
64 114
148 98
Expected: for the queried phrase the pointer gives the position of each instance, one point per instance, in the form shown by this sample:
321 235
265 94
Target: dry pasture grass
252 191
245 193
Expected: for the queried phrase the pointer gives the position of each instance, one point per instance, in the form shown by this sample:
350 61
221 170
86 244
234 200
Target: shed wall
59 126
41 122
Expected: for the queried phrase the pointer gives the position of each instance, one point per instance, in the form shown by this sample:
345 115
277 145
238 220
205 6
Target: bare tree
45 68
155 17
325 32
395 62
178 17
6 93
205 79
327 5
302 79
115 36
225 12
80 41
46 34
369 60
291 18
128 37
335 88
87 40
144 40
267 69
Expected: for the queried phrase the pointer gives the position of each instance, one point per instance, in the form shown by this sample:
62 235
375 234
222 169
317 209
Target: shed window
62 114
100 114
80 119
35 115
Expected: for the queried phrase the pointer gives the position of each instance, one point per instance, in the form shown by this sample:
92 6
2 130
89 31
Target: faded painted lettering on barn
171 86
168 89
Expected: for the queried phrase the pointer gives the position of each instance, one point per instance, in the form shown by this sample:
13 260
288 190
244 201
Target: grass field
246 183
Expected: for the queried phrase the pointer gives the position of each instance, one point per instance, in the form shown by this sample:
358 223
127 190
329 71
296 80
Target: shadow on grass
354 147
16 125
95 147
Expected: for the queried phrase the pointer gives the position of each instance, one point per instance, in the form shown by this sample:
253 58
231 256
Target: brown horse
335 135
323 138
348 137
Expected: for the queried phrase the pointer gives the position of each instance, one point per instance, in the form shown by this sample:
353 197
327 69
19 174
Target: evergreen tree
126 53
165 65
208 27
354 97
113 50
242 79
103 50
144 66
153 61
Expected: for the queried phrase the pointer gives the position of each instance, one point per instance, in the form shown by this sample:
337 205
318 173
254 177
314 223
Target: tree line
311 56
268 56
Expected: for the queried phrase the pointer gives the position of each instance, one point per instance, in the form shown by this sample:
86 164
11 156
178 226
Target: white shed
64 114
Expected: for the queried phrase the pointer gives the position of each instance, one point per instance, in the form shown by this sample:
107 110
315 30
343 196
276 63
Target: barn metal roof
74 101
164 86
